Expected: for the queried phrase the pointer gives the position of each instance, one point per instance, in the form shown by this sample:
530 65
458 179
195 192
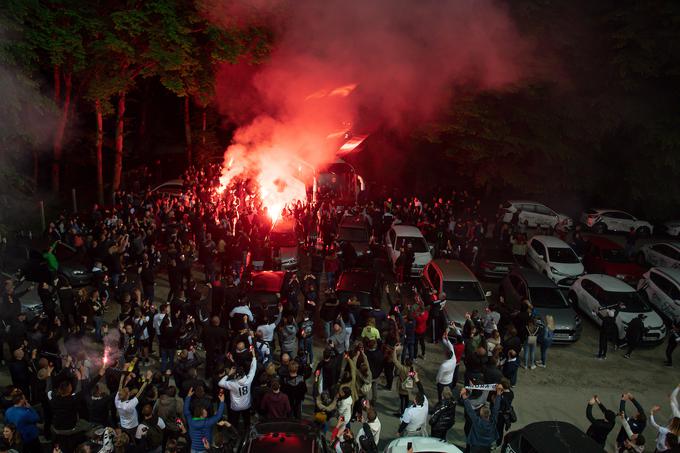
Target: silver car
547 299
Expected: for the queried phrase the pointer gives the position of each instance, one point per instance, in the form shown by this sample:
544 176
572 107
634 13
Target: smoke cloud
341 65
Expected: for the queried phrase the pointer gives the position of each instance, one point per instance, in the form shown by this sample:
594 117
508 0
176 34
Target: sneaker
524 367
626 356
533 367
542 365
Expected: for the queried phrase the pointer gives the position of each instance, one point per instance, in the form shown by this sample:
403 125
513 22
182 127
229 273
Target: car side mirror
488 294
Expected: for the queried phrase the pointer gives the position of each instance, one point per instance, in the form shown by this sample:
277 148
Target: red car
603 256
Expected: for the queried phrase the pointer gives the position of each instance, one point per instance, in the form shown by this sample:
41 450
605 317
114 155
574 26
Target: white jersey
239 389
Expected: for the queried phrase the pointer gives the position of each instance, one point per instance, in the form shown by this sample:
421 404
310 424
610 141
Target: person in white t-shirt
414 419
126 403
239 386
447 368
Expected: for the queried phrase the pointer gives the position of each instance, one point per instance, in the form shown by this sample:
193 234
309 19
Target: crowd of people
119 366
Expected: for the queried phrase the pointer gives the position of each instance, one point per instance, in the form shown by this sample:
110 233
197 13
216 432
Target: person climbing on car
634 334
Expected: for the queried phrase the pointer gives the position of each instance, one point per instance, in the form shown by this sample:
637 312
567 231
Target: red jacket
421 322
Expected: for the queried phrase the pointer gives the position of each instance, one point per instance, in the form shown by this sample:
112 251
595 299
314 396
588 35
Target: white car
603 220
421 444
661 254
662 286
595 291
672 227
554 258
173 187
400 236
536 214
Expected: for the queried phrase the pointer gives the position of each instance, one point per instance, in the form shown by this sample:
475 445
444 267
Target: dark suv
28 262
363 284
546 297
354 229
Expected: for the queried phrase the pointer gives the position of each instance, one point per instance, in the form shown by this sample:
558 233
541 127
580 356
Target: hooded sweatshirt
289 338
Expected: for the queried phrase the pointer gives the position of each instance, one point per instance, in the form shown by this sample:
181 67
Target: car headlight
555 271
620 276
577 319
78 272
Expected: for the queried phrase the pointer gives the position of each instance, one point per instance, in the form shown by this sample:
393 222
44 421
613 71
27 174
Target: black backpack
367 441
154 435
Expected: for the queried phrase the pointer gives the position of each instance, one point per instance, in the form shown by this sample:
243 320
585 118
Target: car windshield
547 298
631 300
364 298
615 255
562 255
283 238
353 234
263 298
468 291
419 244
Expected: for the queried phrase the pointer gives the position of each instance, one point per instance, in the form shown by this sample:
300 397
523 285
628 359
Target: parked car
399 236
595 291
549 437
671 228
546 297
535 213
284 436
354 229
604 256
172 187
283 239
420 444
464 293
27 261
493 261
662 286
603 220
660 254
27 294
363 284
554 258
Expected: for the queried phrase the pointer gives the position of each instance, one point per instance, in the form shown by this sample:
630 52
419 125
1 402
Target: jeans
98 323
330 279
529 354
167 359
348 335
544 350
409 351
327 325
305 344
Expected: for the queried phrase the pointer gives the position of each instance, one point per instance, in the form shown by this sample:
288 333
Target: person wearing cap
599 428
634 333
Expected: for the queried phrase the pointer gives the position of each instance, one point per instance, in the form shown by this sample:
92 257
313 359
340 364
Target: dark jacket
635 331
600 428
275 405
444 415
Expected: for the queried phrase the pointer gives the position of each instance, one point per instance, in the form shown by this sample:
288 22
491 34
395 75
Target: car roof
358 280
525 202
551 241
407 230
292 426
601 210
454 270
353 221
670 272
609 283
421 444
533 278
551 436
268 281
171 182
603 243
287 435
674 244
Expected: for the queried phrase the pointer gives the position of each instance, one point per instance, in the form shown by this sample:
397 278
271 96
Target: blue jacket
483 432
201 427
24 418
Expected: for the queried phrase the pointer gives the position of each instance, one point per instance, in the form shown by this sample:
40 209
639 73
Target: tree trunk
141 144
187 129
120 130
36 168
61 130
57 85
100 143
205 122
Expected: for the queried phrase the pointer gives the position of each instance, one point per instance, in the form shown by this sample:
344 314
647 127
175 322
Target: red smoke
403 55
